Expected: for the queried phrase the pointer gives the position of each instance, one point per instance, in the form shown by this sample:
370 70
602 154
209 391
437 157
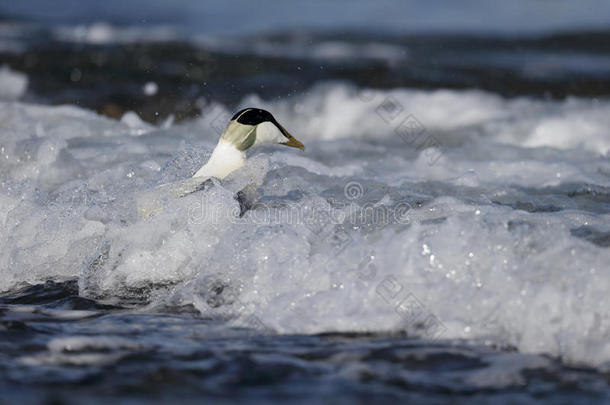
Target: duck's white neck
225 159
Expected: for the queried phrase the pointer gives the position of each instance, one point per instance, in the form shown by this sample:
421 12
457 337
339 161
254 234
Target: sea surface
444 238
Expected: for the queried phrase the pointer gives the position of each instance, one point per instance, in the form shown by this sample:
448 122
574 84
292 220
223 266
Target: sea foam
442 214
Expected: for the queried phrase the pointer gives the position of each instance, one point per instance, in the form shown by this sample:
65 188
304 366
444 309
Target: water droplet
425 250
76 75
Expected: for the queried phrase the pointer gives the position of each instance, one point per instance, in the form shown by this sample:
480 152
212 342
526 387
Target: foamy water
445 214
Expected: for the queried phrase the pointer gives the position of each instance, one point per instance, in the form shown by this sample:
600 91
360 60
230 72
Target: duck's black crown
253 116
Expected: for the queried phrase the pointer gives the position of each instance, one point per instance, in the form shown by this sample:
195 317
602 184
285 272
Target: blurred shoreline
157 73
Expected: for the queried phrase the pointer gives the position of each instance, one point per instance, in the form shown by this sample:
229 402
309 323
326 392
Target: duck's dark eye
253 116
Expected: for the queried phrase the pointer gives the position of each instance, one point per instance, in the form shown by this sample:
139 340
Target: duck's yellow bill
292 141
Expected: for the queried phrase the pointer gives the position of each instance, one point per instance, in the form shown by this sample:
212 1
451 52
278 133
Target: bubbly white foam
13 84
449 214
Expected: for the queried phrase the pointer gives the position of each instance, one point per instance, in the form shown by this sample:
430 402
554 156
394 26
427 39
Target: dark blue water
56 347
241 17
